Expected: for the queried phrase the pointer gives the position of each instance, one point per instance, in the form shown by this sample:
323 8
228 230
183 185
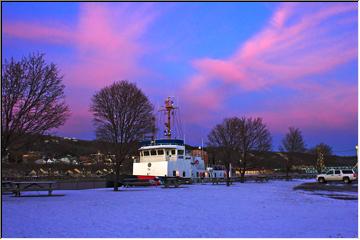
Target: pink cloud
106 40
108 46
81 118
297 43
58 34
316 106
285 51
200 105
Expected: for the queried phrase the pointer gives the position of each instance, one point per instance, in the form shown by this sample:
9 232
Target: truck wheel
346 180
321 180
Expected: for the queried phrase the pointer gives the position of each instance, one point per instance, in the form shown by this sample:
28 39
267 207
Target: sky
292 64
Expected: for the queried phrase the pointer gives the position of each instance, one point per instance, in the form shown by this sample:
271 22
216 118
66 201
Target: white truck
345 175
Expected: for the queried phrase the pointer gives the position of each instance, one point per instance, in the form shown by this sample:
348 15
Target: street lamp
357 158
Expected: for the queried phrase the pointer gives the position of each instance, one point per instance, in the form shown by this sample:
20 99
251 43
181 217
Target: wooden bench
261 179
221 180
32 186
132 182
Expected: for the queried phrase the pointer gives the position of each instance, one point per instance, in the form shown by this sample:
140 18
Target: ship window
183 173
174 173
180 152
153 152
161 152
214 174
168 152
146 153
173 152
197 174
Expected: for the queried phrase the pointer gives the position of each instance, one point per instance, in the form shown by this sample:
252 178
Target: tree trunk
242 172
3 152
227 175
4 147
288 166
117 176
242 176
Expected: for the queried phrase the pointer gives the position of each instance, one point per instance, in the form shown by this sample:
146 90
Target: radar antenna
169 110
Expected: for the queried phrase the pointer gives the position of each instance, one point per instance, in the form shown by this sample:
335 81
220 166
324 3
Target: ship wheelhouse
162 150
165 157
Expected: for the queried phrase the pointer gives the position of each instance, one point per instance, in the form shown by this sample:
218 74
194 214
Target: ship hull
179 168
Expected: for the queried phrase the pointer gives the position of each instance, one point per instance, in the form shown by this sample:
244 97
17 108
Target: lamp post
357 149
357 155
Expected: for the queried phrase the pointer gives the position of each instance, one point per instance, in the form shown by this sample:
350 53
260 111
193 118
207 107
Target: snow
270 209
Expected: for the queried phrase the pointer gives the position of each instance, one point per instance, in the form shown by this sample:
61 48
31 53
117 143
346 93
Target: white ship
169 157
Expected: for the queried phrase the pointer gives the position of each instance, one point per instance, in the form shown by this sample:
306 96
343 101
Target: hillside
53 146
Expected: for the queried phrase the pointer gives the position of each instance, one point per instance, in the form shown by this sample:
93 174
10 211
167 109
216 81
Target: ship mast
169 109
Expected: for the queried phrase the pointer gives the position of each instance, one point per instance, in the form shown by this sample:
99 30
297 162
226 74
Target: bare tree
240 135
292 143
323 147
33 100
321 151
253 136
224 138
122 116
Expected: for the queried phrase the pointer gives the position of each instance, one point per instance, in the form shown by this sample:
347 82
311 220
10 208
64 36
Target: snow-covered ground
270 209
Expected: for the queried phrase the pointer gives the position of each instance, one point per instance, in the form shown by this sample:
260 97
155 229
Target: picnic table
6 187
32 186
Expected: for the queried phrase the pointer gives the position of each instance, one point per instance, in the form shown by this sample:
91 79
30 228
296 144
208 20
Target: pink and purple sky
293 64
